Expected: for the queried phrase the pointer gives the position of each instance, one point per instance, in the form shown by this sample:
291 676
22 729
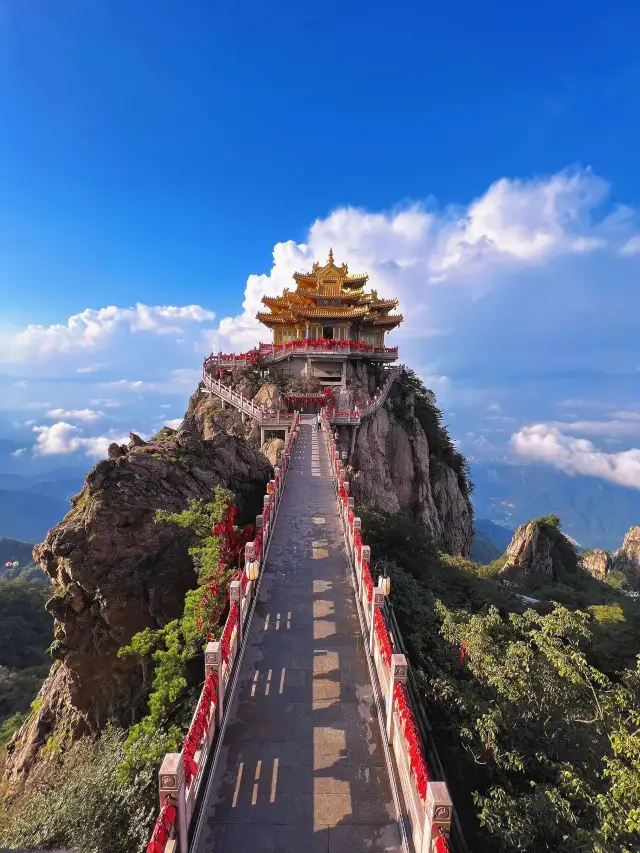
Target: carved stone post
276 478
351 504
208 668
259 524
398 675
235 595
438 815
267 526
377 600
357 525
213 663
171 779
366 555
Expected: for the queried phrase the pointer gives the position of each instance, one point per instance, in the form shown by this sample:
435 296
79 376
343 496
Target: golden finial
331 256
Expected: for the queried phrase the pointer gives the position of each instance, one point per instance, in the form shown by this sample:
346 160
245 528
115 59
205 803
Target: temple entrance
327 332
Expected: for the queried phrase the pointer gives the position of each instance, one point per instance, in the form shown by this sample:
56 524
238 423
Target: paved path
302 768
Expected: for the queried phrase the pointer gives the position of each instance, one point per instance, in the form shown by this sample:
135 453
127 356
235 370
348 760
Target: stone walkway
302 768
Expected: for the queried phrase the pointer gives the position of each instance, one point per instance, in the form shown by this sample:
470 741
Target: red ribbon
383 637
412 738
162 828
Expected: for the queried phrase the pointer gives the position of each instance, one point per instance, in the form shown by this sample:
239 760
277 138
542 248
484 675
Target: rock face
530 552
393 469
597 563
627 558
115 571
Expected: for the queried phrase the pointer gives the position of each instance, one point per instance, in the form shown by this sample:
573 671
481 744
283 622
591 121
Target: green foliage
617 579
82 805
539 727
25 626
164 434
172 648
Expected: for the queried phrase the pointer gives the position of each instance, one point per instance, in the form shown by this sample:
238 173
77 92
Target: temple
330 304
328 351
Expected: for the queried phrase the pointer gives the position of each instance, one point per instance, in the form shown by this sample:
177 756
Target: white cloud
90 368
545 443
63 439
128 384
412 252
19 452
174 423
92 330
632 246
107 402
620 427
166 406
494 407
85 415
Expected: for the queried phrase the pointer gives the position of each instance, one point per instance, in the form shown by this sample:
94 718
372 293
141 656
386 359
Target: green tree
173 648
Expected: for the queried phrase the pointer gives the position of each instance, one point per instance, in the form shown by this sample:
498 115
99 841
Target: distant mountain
28 515
32 503
594 513
13 550
497 534
483 550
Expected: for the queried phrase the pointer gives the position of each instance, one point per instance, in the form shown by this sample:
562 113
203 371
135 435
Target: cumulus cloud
174 423
409 252
86 415
93 330
545 443
632 246
63 439
90 368
620 427
19 452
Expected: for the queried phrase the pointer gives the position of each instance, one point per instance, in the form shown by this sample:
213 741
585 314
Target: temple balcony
323 348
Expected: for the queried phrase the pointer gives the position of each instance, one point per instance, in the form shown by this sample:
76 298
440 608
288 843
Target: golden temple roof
329 292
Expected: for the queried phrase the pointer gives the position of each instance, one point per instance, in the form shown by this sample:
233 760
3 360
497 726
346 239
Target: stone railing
308 346
337 418
183 774
426 804
264 417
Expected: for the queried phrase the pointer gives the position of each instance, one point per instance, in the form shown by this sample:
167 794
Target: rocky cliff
115 571
540 552
627 558
597 563
397 467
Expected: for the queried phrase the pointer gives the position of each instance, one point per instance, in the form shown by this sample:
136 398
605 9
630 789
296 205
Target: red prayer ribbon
162 828
412 738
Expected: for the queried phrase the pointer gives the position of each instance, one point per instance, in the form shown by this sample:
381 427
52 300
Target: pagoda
330 304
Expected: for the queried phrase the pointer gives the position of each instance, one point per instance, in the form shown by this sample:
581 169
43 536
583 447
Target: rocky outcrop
114 572
393 469
627 558
269 397
272 449
597 563
529 554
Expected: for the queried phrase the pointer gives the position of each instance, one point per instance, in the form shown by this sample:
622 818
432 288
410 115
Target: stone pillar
438 815
267 527
343 378
213 663
235 594
171 779
398 675
366 556
377 600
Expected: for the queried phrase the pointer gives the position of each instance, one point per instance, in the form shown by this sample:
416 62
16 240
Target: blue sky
479 161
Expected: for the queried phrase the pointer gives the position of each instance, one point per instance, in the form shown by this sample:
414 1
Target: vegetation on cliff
536 721
107 798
